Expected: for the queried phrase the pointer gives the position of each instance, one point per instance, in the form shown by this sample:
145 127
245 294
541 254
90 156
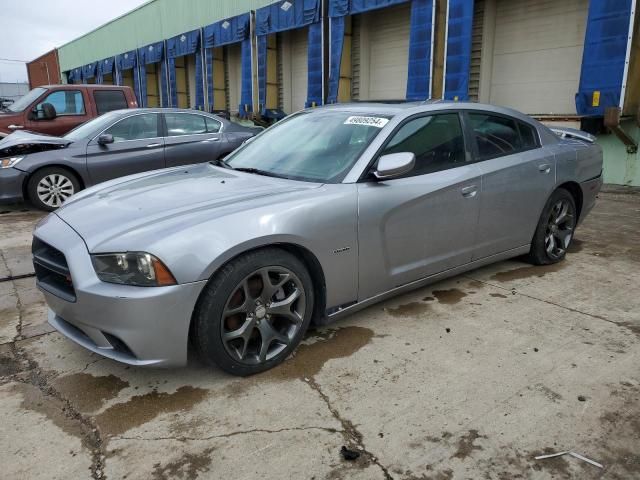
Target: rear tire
50 187
254 312
555 229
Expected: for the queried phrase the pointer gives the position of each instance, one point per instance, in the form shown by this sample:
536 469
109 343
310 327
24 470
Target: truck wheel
555 229
254 312
50 187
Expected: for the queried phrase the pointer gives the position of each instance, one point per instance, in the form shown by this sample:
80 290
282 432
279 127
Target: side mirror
394 165
105 139
48 111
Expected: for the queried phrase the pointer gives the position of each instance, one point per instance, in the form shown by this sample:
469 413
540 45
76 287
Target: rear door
191 138
425 222
518 175
72 109
137 147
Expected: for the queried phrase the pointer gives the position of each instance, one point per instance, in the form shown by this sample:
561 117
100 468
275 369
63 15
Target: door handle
15 127
544 168
470 191
214 139
153 145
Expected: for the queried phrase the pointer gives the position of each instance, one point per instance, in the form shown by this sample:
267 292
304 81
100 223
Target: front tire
49 188
555 229
254 312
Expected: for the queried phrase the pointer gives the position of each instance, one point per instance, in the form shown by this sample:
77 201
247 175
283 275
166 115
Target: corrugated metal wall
152 22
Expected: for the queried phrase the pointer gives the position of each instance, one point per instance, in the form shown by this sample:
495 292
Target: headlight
9 162
133 268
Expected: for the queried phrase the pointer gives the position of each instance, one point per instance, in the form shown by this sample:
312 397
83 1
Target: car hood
156 203
24 142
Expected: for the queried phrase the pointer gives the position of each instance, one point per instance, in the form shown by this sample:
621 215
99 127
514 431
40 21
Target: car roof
395 108
163 110
75 86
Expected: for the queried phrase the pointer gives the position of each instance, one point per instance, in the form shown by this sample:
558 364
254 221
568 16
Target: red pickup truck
56 109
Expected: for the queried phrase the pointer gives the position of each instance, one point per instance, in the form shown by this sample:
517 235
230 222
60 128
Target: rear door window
109 100
495 135
179 124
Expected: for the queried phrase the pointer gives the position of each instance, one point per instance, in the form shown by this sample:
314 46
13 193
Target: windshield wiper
257 171
220 163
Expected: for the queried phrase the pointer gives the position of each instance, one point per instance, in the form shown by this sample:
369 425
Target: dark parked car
48 170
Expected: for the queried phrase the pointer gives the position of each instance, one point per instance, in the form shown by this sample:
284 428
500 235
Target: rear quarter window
528 135
109 100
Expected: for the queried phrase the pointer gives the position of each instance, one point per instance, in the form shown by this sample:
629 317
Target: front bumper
134 325
11 182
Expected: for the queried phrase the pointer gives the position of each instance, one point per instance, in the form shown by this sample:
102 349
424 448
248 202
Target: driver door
424 222
137 147
71 111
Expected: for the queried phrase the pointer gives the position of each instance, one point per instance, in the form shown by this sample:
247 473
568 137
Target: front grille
52 271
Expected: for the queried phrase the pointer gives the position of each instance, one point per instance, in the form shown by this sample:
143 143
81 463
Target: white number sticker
377 122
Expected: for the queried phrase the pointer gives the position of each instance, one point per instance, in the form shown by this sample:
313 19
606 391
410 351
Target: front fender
324 223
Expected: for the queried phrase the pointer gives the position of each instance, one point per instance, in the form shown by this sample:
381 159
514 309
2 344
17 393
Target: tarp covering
289 15
147 55
185 44
164 87
208 61
246 91
458 61
105 67
336 34
286 15
74 75
199 81
314 65
603 60
341 8
88 71
228 31
420 33
262 73
129 61
151 53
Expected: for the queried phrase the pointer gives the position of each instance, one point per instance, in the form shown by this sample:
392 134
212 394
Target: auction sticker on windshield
378 122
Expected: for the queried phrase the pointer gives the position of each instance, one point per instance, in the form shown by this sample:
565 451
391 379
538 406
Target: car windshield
23 102
315 146
93 127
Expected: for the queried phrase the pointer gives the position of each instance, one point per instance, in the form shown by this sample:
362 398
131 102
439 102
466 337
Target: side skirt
347 310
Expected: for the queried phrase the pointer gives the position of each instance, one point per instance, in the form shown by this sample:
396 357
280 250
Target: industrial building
574 62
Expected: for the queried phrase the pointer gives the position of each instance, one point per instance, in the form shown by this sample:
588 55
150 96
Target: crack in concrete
92 437
18 334
349 431
33 375
549 302
11 278
181 438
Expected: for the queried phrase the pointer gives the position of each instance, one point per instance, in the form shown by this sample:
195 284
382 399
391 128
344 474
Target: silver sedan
324 213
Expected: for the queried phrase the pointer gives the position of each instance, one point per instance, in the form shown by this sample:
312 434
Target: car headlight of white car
139 269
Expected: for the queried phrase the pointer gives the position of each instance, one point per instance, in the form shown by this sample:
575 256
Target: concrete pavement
467 378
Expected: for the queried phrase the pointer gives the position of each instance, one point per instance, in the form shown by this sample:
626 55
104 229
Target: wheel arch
305 255
72 170
576 192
